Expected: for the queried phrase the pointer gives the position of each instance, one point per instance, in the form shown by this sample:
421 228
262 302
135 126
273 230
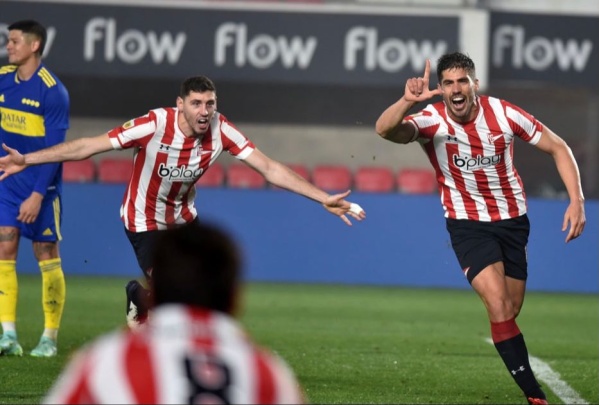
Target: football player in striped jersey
174 146
468 139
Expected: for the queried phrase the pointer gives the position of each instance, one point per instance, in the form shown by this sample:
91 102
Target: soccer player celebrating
34 106
173 148
469 139
193 351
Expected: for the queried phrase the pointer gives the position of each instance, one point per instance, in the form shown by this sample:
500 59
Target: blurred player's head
25 38
198 265
197 102
457 80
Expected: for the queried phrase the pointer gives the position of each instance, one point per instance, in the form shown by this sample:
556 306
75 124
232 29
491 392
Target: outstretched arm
282 176
390 124
77 149
568 171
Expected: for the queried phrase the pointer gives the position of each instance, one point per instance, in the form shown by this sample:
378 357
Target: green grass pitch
348 344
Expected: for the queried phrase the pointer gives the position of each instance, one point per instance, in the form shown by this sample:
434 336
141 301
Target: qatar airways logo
179 173
476 162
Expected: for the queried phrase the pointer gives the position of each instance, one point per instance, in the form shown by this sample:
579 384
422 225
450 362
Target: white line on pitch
553 380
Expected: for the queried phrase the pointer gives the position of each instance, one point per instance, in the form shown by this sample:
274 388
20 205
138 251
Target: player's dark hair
197 84
34 28
196 264
456 60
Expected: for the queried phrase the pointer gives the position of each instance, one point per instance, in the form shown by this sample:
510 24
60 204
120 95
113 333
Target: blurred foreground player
192 350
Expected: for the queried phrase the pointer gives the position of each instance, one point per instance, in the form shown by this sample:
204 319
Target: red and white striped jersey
183 355
167 164
474 161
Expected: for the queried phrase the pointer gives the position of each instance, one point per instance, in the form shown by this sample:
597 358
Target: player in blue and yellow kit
34 114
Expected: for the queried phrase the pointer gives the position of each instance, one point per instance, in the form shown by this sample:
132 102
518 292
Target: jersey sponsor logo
475 163
21 123
493 138
179 173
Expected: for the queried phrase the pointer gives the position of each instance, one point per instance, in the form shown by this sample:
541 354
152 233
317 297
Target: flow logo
511 46
363 46
131 46
261 51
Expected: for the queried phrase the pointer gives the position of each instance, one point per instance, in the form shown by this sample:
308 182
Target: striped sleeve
523 124
135 132
234 142
73 386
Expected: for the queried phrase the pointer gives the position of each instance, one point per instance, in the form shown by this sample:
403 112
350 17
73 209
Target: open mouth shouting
458 102
203 124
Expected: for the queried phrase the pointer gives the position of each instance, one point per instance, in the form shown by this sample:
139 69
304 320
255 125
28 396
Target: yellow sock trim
8 291
53 292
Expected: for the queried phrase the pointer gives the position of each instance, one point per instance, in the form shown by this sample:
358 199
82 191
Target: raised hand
417 88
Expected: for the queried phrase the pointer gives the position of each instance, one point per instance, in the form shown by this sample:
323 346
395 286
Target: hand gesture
336 204
12 163
417 88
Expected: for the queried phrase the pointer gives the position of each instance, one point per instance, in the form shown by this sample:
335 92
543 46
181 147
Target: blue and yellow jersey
34 114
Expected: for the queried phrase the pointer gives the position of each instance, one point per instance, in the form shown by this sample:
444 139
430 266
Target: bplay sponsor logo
475 162
178 173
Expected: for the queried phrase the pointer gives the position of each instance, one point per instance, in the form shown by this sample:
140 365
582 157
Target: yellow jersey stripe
56 205
7 69
47 77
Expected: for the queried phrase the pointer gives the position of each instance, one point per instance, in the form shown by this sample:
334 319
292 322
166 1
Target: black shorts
143 243
479 244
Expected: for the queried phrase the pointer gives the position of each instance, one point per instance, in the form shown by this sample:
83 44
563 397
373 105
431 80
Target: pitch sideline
553 381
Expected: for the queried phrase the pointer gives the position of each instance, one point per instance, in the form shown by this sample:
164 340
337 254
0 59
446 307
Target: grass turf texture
348 344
